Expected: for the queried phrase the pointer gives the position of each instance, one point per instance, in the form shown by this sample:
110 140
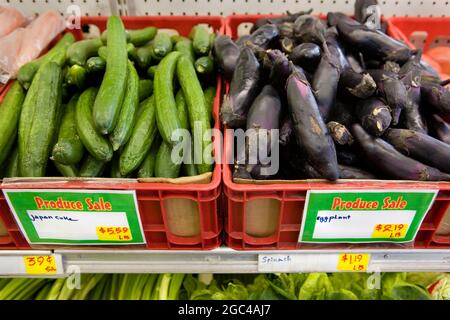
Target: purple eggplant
242 40
392 90
391 66
244 88
335 47
360 85
308 28
418 66
264 36
287 45
391 163
289 18
348 172
226 53
437 97
411 117
355 63
334 17
258 173
372 43
374 116
286 30
306 55
310 130
340 134
441 129
347 156
240 172
286 131
362 10
325 82
280 68
421 147
344 112
265 111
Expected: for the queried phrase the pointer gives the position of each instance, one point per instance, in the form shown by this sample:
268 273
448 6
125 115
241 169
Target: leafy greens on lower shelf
280 286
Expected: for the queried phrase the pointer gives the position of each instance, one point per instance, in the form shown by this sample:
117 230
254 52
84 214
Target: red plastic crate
284 203
152 197
434 31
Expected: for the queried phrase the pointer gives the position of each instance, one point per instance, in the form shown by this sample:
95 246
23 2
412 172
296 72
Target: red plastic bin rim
316 184
219 23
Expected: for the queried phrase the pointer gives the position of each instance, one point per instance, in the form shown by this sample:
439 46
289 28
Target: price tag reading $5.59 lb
40 265
114 233
353 262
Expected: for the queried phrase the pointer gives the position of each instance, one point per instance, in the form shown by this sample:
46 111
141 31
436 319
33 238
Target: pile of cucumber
108 106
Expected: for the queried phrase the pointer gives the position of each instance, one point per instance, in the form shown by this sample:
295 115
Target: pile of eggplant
350 102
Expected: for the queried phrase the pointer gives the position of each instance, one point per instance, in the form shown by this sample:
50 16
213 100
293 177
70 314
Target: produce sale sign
77 217
362 216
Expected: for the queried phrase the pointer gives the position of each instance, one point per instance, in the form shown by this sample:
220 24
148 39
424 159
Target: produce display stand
156 201
166 252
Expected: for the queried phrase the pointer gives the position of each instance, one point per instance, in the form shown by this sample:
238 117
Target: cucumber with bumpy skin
198 111
10 110
138 37
164 166
68 171
201 39
204 65
166 106
12 169
76 76
69 148
97 145
210 96
141 139
91 167
144 57
162 45
112 90
145 89
96 65
152 71
127 117
81 51
186 47
44 126
147 169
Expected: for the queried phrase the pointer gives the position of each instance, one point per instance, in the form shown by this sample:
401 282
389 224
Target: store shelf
225 260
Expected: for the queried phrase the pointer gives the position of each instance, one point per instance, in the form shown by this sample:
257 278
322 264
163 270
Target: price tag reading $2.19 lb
390 231
40 265
114 233
353 262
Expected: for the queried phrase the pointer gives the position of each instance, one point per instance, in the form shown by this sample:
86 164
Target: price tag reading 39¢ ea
364 216
40 265
353 262
77 217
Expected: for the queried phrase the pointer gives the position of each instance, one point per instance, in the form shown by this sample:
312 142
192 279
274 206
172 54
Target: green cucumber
164 166
10 110
97 145
204 65
188 166
198 111
27 115
141 37
147 169
112 90
152 71
104 36
186 47
57 53
103 52
144 57
131 51
210 96
162 45
141 139
138 37
68 171
45 121
91 167
12 169
127 117
115 168
166 106
145 89
177 38
81 51
200 37
76 76
69 148
96 65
